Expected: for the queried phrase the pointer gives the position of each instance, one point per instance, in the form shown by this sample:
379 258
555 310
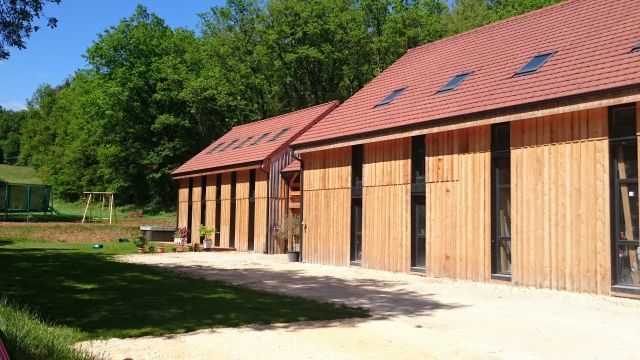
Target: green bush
28 338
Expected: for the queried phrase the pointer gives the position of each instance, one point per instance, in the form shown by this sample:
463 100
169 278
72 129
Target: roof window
453 83
387 100
276 136
260 138
230 144
534 64
215 148
244 142
636 48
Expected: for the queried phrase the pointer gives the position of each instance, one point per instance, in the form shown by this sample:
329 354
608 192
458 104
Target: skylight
387 100
276 136
636 48
260 138
453 83
534 64
230 144
244 142
215 148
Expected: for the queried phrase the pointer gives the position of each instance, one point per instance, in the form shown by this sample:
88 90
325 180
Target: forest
151 96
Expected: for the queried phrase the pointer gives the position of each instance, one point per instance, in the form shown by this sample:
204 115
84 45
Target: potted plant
161 249
152 249
140 242
183 234
289 230
206 233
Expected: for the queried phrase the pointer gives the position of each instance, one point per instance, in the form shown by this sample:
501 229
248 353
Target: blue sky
53 55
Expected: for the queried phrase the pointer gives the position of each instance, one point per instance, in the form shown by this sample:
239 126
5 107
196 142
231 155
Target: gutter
293 155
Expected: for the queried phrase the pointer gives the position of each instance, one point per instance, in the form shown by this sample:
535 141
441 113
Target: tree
16 22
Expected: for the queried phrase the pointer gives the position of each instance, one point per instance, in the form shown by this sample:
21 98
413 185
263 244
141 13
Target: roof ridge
285 114
494 24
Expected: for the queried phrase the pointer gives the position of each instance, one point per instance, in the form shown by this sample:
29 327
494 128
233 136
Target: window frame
548 55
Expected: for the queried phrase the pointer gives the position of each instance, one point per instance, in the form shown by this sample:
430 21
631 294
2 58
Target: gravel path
412 317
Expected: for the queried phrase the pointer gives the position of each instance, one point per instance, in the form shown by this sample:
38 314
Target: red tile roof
592 40
294 166
296 122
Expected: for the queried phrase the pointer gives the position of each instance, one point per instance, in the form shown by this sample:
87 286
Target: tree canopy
152 96
17 19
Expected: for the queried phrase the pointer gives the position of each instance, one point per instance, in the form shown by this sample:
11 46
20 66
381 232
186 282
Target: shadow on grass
106 299
384 298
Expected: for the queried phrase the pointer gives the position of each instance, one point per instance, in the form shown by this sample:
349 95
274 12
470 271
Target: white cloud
13 105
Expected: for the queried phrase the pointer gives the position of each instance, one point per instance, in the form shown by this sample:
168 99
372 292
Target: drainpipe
266 240
293 155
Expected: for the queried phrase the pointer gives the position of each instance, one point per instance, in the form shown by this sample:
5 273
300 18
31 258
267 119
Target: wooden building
234 185
507 153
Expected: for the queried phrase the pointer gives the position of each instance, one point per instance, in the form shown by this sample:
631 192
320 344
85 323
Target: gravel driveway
412 317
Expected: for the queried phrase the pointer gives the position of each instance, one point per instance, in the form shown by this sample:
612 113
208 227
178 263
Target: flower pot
294 256
141 250
177 240
207 244
161 249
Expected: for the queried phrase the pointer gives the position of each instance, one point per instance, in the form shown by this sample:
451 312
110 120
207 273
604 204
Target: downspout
266 240
293 155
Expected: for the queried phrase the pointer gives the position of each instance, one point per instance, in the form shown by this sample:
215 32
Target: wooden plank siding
196 200
327 198
242 210
210 216
458 169
260 231
560 201
183 202
225 208
386 199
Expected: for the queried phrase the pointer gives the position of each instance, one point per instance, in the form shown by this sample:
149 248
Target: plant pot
196 247
177 240
207 244
161 250
294 256
141 250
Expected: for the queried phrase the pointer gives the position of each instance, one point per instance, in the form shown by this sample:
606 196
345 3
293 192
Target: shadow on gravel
384 299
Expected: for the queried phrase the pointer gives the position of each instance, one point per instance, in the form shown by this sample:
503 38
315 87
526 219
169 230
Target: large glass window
624 183
418 208
356 203
501 204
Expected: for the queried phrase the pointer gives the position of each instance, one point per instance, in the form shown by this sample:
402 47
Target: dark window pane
453 83
534 64
215 148
418 159
389 98
276 136
502 170
230 144
356 165
260 138
500 137
504 212
244 142
623 122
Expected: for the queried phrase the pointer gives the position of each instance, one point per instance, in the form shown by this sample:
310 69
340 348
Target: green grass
74 286
19 174
28 338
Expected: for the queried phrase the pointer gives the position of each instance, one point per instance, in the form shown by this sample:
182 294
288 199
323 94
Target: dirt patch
413 317
73 232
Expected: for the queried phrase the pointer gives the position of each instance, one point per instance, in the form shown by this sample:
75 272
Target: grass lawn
75 286
18 174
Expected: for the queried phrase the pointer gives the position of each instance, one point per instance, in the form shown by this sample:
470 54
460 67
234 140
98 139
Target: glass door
625 213
419 233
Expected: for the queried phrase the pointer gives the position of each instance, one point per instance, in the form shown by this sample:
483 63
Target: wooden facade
270 198
561 232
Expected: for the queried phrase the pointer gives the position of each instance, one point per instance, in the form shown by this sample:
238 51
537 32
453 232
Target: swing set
103 198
